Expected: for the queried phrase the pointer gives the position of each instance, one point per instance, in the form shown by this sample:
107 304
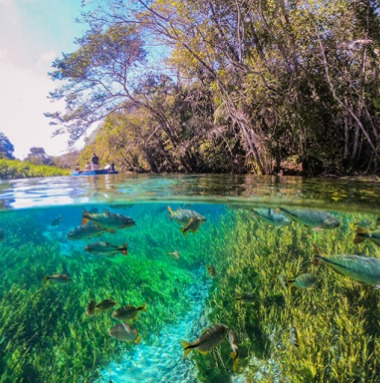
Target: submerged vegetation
10 169
46 335
328 332
288 318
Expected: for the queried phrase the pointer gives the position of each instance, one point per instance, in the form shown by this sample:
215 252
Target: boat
92 172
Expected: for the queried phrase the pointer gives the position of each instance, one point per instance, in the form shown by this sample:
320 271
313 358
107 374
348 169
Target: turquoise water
46 335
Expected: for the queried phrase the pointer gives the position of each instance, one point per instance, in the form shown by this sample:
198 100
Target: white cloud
23 100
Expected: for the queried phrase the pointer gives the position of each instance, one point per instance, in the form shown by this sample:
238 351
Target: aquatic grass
328 333
46 335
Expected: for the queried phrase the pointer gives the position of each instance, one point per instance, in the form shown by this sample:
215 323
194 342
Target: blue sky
32 34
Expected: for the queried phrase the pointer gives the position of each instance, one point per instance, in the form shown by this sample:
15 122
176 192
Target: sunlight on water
269 291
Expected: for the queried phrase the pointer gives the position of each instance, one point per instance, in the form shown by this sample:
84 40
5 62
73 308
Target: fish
362 235
211 271
211 337
192 226
108 220
89 230
175 254
232 338
183 216
125 333
246 298
56 221
90 310
304 281
271 217
105 305
360 268
106 249
128 312
316 219
61 279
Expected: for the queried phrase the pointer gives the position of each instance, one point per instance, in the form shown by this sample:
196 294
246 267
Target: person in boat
110 167
88 166
77 168
95 162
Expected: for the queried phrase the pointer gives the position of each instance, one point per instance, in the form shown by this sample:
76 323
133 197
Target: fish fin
184 230
85 220
170 210
360 235
235 357
124 249
290 280
137 340
186 348
277 210
169 254
111 231
201 352
143 307
317 228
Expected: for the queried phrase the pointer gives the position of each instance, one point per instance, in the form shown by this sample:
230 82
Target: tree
38 156
6 148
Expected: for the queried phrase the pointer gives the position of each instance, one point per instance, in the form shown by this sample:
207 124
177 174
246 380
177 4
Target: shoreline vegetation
238 87
12 169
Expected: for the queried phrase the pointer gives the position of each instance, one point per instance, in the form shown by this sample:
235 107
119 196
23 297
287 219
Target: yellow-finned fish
360 268
105 304
128 312
211 271
232 338
61 279
174 254
190 220
247 298
270 217
125 333
106 249
304 281
212 337
316 219
107 219
89 230
362 235
90 310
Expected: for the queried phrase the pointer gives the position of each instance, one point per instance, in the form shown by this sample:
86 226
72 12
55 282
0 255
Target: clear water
326 333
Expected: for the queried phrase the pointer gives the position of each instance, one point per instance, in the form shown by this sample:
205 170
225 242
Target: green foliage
327 333
259 82
10 169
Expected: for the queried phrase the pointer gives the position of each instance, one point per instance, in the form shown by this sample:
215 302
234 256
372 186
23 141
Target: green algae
328 333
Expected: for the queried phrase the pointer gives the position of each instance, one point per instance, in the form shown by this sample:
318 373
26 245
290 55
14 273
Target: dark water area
281 272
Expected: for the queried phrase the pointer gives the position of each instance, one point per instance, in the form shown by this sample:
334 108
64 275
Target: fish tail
46 279
235 357
361 235
186 347
124 249
318 259
170 210
143 307
169 254
184 231
85 216
290 280
137 340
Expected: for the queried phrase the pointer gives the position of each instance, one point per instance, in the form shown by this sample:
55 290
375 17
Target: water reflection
244 189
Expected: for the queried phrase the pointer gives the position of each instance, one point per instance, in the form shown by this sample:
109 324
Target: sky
32 34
